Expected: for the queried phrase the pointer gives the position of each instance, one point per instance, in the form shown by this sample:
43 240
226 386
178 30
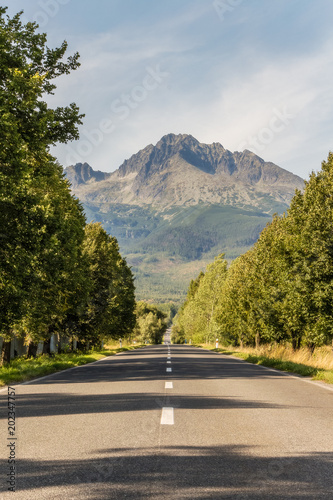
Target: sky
249 74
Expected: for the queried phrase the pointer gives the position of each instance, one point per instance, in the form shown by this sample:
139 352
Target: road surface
170 422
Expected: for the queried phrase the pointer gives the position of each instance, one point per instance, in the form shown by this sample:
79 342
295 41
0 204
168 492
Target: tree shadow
43 405
196 473
150 364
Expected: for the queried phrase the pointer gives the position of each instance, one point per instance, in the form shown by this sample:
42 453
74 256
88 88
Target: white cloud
221 87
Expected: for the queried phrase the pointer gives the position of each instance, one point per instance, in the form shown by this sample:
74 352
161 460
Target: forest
280 291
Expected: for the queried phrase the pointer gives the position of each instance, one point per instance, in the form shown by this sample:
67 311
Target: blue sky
250 74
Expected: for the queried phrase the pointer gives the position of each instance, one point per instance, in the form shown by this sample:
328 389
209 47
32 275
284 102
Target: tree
28 127
310 221
151 323
57 285
109 311
196 319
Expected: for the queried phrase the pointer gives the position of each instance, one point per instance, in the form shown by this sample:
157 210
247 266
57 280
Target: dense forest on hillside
59 276
278 291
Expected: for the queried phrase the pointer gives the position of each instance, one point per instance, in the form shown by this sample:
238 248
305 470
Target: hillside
175 205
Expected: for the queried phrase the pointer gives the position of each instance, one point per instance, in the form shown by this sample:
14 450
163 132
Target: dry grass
322 357
318 365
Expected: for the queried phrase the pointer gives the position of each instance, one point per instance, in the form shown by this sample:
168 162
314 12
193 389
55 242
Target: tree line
58 274
281 290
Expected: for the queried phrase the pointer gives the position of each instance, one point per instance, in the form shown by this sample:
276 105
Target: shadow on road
229 472
42 405
150 364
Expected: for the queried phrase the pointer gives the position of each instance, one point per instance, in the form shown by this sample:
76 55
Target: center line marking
168 385
167 416
169 370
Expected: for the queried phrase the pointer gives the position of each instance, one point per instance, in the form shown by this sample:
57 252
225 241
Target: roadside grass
318 366
23 369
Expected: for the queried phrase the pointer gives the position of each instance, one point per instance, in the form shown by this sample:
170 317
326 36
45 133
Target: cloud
226 79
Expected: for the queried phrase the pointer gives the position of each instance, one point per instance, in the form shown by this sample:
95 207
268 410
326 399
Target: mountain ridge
175 205
179 170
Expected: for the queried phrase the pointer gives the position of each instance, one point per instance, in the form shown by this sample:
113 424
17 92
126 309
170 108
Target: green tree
28 127
58 276
109 312
151 323
197 319
310 221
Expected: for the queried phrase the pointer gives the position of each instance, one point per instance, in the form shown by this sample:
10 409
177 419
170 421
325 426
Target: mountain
175 205
181 171
82 173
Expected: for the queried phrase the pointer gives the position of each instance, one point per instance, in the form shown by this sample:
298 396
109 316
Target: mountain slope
82 173
175 205
181 171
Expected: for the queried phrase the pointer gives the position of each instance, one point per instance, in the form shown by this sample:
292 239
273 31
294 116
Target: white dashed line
169 369
168 385
168 361
167 416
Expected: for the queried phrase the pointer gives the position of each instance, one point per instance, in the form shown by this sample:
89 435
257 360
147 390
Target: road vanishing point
170 422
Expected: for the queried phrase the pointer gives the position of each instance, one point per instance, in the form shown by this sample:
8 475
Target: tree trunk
312 348
5 352
257 340
32 350
47 346
296 343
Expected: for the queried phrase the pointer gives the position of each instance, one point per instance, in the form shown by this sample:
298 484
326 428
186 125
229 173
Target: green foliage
151 324
27 70
281 289
56 274
177 334
110 306
39 216
169 309
196 320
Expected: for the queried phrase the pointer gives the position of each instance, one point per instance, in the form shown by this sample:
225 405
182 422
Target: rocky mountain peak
179 170
82 173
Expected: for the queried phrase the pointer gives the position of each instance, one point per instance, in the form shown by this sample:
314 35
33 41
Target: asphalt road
213 427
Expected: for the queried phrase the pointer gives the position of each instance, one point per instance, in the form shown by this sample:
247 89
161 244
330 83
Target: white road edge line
167 416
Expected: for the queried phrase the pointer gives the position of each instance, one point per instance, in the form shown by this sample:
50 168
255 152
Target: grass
317 365
23 369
